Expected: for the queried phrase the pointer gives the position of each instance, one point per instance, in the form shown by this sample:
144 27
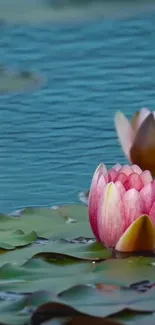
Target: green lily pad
17 310
59 251
66 222
10 313
37 274
63 270
80 300
127 271
89 301
91 252
13 81
83 288
23 311
10 239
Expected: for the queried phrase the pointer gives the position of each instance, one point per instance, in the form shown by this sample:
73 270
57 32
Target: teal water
52 139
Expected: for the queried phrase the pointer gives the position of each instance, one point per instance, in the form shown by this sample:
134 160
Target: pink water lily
121 207
138 138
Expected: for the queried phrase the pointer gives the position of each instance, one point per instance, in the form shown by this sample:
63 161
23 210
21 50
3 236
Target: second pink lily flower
121 207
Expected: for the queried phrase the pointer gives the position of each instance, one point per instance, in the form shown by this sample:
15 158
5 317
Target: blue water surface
52 139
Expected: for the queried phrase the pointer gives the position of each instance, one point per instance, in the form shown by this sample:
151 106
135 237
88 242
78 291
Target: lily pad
19 310
10 313
89 301
11 239
76 289
58 251
65 222
37 274
13 81
127 271
42 11
64 271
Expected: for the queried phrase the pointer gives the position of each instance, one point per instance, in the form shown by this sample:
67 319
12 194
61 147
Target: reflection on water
52 139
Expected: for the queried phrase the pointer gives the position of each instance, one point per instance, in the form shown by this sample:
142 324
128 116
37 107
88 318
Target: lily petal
148 196
133 181
93 195
133 206
93 203
117 167
125 132
100 170
152 210
146 177
111 220
136 169
134 121
120 188
126 169
112 175
143 114
140 236
152 213
122 178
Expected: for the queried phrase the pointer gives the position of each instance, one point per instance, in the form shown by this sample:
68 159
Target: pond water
51 139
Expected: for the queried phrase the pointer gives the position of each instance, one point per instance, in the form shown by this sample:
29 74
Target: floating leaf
38 274
19 311
103 297
67 222
72 273
12 81
127 271
58 250
89 301
11 239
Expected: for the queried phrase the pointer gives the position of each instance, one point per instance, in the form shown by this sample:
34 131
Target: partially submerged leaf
13 81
